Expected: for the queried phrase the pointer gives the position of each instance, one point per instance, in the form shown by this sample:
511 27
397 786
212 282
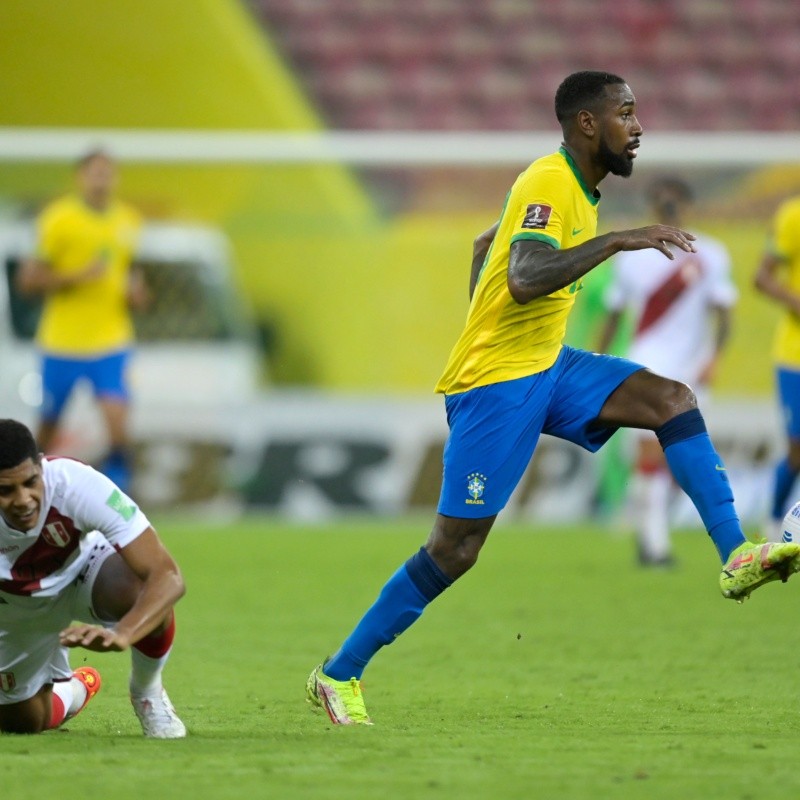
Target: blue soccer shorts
494 429
106 374
789 396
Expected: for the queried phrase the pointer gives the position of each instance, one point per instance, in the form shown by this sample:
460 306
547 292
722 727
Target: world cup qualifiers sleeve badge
537 215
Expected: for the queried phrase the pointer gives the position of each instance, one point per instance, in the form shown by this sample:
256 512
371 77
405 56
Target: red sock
155 645
57 711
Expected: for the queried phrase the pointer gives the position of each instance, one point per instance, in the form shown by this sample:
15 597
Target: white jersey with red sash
670 302
35 566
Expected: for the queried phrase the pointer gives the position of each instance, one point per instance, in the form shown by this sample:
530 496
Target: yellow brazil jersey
786 245
89 319
503 340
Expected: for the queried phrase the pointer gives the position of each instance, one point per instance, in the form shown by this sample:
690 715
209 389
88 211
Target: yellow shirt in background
503 340
92 318
786 245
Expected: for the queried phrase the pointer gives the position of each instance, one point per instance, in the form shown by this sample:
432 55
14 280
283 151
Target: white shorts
30 652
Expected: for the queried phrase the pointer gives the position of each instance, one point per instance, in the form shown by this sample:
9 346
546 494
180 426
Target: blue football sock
117 469
784 481
398 606
699 471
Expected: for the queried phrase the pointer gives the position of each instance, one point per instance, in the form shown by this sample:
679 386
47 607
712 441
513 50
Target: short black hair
672 184
91 155
582 90
16 444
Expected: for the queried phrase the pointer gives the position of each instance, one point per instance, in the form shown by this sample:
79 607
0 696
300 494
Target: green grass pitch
555 669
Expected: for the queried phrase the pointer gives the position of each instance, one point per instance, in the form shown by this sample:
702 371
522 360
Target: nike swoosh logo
576 231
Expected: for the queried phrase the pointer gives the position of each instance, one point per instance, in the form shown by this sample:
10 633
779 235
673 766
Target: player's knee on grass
29 716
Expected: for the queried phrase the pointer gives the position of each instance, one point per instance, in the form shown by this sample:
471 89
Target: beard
616 163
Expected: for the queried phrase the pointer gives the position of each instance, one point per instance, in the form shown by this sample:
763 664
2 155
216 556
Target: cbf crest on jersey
476 486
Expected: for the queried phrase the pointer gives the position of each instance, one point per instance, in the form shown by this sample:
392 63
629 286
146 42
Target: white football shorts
30 652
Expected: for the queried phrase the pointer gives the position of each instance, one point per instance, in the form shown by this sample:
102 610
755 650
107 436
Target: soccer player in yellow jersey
82 268
509 379
778 277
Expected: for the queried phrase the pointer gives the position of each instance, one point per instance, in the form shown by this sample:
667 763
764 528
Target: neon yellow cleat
342 700
752 565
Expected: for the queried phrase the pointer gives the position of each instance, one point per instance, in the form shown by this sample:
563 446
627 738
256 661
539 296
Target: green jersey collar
592 197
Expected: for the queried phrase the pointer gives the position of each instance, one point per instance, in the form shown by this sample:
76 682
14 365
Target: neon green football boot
752 565
341 700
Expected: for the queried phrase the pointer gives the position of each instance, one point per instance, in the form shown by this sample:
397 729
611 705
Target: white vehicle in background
197 366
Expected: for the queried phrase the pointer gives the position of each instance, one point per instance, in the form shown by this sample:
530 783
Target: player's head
97 176
669 197
597 109
21 487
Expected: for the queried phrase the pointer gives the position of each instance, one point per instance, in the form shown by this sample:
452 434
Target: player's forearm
480 247
608 332
475 271
723 330
539 272
769 285
38 278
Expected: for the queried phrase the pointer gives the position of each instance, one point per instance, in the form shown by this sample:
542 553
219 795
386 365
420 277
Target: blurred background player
778 277
681 314
74 547
82 268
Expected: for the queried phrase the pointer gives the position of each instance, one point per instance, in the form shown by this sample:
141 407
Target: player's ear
587 123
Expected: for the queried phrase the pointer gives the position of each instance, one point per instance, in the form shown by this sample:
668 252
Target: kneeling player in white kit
681 322
74 547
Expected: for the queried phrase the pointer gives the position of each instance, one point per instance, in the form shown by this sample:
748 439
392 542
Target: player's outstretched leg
400 603
699 471
452 549
752 565
341 700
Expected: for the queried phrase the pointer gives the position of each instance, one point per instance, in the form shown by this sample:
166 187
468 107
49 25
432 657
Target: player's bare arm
162 587
138 296
609 331
535 269
767 282
480 247
723 323
37 277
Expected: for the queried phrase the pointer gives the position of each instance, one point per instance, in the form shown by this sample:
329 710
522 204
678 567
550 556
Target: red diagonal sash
662 299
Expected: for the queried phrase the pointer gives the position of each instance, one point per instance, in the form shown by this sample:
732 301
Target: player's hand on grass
93 637
659 237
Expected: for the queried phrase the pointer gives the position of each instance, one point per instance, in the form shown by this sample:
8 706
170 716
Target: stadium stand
458 65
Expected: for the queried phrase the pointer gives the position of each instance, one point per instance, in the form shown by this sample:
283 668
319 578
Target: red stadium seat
449 65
